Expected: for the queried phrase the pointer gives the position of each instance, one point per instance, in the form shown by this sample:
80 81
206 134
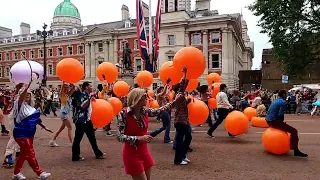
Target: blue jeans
182 140
175 138
166 125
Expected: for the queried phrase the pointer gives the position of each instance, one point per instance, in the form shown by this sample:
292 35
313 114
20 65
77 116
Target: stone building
222 38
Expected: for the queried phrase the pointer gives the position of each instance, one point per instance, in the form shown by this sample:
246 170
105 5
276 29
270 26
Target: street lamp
44 35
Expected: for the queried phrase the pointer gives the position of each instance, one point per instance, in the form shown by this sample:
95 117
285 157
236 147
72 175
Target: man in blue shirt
84 124
275 119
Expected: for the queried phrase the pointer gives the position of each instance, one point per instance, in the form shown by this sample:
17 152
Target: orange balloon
250 112
193 59
213 78
259 122
107 71
212 103
144 79
70 70
154 104
192 85
150 93
198 112
216 89
102 113
276 141
116 105
121 88
168 71
236 123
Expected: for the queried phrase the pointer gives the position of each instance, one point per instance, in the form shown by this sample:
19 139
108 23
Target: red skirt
138 160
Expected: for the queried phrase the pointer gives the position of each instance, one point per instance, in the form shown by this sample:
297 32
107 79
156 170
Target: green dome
66 8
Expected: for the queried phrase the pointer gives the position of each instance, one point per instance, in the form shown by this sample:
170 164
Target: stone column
87 60
225 57
115 51
93 60
187 38
205 49
106 50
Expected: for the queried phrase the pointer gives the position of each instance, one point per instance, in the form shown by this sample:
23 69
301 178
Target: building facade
222 38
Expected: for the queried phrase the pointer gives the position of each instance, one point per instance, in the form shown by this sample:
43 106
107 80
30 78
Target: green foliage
293 27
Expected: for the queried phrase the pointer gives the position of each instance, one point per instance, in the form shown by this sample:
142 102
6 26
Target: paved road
241 158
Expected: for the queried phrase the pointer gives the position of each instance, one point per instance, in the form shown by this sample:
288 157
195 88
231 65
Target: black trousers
222 114
182 140
81 129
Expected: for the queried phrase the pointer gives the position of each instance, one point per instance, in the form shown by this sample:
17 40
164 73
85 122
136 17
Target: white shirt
222 101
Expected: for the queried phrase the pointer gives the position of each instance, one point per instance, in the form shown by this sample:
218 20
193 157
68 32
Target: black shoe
78 159
298 153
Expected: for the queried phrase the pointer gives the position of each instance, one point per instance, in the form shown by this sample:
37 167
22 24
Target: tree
293 27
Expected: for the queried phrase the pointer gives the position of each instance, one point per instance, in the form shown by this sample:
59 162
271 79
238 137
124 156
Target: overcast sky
36 12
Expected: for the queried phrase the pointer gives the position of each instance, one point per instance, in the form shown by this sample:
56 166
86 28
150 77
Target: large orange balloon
193 59
216 89
102 113
236 123
192 85
154 104
168 71
212 103
107 71
250 112
259 122
150 93
213 78
198 112
70 70
276 141
144 79
116 105
121 88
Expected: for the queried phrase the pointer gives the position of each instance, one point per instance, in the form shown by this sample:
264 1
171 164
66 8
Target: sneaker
109 134
44 175
168 142
78 159
187 160
53 143
183 163
210 135
19 176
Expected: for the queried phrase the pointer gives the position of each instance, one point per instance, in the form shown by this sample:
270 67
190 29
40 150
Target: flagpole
150 30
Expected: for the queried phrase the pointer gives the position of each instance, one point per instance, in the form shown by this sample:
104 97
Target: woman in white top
224 108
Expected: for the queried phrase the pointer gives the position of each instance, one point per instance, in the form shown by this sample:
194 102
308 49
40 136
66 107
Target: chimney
145 9
125 13
203 5
24 28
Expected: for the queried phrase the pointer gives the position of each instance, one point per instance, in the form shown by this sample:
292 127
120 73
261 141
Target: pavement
225 158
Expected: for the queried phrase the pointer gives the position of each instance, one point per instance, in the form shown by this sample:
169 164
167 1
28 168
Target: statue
127 57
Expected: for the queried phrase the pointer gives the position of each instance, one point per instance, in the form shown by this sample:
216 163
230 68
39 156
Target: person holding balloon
205 95
26 118
103 92
275 119
224 108
132 131
84 124
65 98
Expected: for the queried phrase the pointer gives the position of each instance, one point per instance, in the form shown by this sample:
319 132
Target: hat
134 96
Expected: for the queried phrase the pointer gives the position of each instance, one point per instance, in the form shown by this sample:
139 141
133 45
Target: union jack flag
156 29
142 35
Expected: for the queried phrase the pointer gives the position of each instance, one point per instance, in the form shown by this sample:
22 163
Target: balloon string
28 64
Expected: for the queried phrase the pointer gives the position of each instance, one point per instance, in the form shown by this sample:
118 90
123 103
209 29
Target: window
127 24
80 50
0 56
196 39
123 44
23 55
7 72
171 40
15 55
215 61
170 58
7 56
154 86
50 69
32 54
100 47
60 51
70 50
215 37
138 65
1 72
136 44
40 53
50 52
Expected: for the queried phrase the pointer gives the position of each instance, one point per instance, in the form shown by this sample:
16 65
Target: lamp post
44 35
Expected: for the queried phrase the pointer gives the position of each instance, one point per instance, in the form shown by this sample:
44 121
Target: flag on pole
141 33
156 29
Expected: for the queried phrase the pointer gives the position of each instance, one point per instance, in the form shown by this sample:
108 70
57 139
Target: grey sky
36 12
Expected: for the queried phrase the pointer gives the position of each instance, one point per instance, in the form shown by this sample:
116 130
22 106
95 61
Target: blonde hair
134 96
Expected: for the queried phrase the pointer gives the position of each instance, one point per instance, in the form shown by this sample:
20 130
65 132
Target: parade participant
262 107
26 118
275 119
84 124
205 96
65 98
133 127
103 94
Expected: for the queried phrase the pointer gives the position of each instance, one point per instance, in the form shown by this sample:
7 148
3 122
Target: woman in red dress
133 127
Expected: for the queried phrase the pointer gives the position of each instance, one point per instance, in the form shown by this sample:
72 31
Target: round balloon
121 88
102 113
192 85
144 79
107 71
198 112
70 70
168 71
116 105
